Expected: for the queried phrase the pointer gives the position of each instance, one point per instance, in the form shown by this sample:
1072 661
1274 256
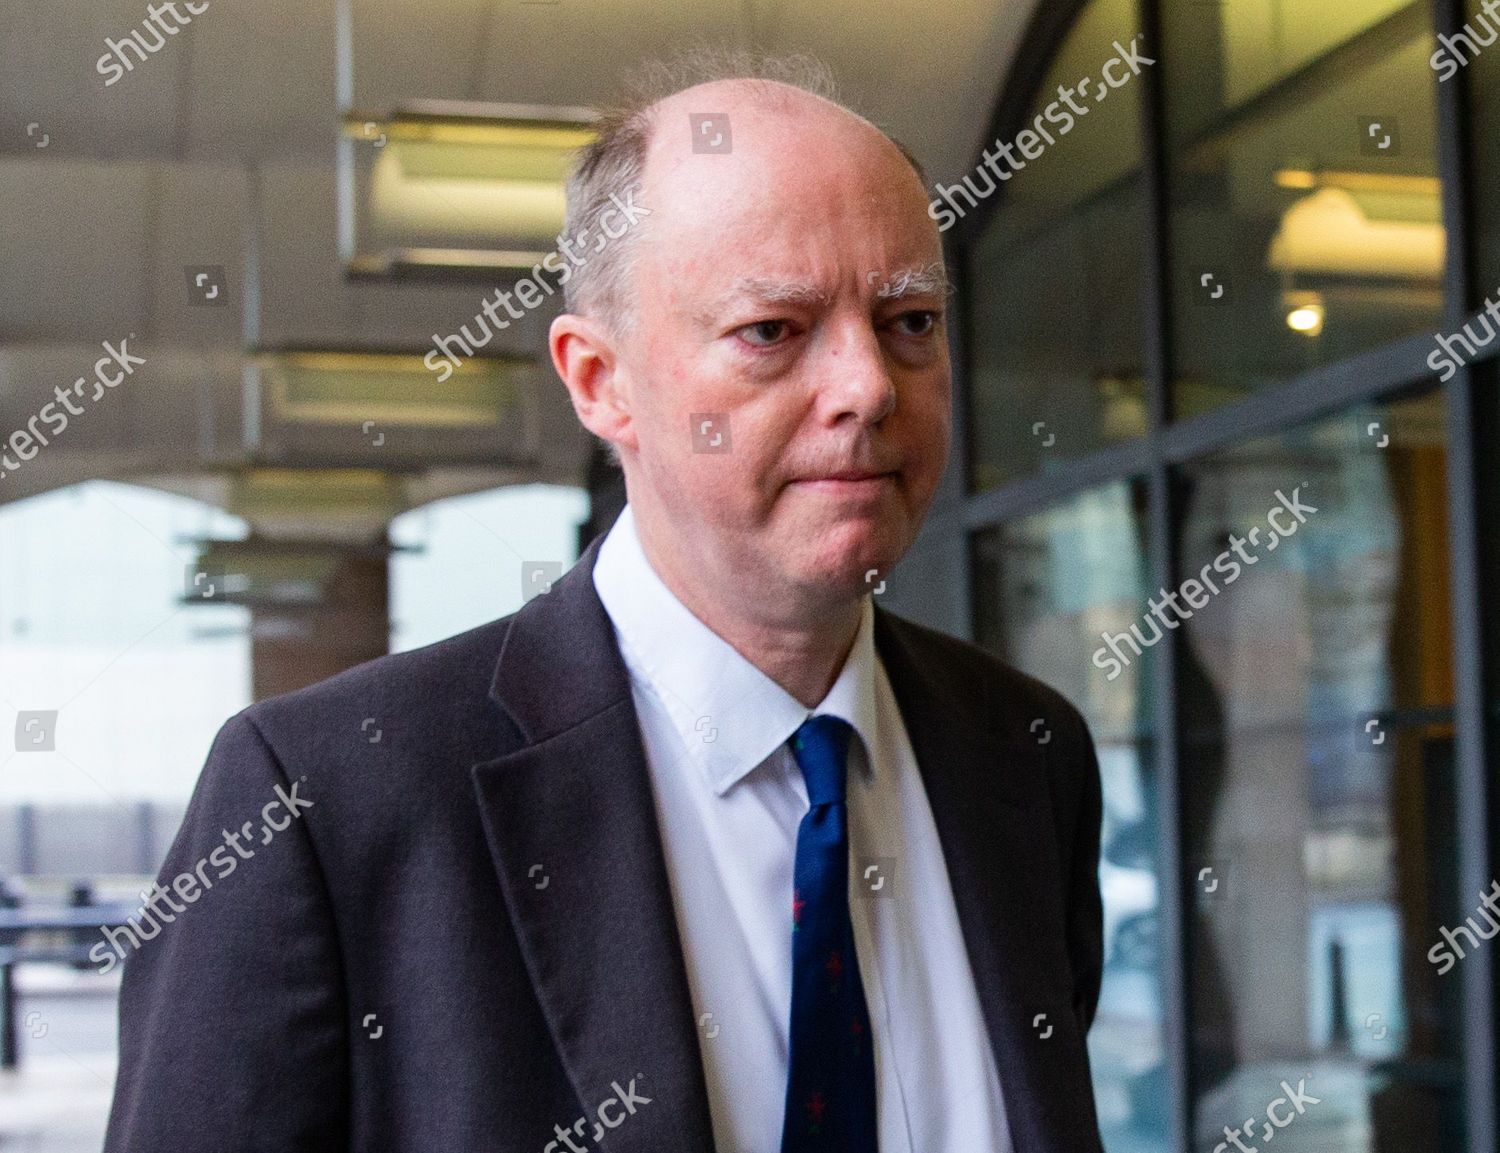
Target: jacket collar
549 687
728 714
599 934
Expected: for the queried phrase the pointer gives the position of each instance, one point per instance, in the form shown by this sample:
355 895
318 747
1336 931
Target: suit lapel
990 802
595 921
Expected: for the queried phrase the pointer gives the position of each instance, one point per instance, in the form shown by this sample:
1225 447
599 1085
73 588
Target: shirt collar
729 715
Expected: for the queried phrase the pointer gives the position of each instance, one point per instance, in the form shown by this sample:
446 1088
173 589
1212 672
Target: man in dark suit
699 849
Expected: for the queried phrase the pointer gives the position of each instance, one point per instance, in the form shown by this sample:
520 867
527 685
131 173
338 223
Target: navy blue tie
830 1090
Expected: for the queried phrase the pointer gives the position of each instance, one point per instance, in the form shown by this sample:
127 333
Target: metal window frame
1472 420
1470 517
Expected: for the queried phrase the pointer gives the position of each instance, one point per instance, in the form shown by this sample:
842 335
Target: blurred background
1262 263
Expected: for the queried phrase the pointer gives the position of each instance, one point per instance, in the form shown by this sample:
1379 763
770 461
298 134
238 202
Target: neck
801 648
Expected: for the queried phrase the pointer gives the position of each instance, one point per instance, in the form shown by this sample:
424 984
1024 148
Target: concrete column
292 647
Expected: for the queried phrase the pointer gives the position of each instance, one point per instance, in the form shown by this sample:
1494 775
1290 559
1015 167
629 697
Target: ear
584 354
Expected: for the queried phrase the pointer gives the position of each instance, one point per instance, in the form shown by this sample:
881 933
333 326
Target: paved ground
58 1099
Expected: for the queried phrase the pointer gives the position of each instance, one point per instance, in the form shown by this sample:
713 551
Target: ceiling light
455 188
1334 231
1306 319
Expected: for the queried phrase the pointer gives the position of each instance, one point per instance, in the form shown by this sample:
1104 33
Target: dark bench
82 922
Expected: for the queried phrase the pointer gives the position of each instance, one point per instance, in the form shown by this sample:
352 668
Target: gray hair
615 161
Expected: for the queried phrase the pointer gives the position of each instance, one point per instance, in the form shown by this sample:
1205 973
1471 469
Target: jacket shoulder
445 683
965 671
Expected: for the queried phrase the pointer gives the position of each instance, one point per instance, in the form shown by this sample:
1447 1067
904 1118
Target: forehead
792 178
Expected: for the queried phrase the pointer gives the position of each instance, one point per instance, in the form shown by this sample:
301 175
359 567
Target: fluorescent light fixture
322 407
455 188
345 504
389 389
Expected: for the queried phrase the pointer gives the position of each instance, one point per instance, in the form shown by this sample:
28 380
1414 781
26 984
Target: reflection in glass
1055 278
1048 585
1305 222
1317 779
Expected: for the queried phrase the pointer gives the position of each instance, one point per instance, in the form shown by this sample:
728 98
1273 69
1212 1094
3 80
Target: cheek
705 452
930 416
663 400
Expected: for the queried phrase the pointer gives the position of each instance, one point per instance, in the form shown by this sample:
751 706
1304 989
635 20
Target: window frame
1473 501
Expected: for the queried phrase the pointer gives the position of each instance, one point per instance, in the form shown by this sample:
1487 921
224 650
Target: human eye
917 323
765 333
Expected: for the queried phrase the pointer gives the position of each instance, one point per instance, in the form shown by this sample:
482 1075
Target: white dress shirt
729 799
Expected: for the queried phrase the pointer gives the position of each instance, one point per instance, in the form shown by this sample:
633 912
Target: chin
843 557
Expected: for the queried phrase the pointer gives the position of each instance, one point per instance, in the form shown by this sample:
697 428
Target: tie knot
821 746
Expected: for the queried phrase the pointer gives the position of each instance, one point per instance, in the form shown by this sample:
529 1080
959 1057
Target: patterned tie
830 1091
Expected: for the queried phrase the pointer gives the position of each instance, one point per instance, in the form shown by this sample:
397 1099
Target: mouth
853 483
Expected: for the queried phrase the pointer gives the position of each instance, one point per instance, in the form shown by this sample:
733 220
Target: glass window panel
1048 586
1304 202
1316 694
1056 367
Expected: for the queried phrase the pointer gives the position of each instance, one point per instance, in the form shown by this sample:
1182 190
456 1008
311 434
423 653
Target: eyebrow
773 291
916 280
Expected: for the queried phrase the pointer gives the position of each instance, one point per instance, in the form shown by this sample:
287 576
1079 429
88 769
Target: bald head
796 164
678 110
769 128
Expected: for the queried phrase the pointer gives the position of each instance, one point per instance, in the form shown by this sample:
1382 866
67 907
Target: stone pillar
294 646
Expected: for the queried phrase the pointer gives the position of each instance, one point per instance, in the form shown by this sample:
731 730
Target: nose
856 381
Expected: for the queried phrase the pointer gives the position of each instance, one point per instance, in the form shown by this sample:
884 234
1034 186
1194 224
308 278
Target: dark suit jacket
468 939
